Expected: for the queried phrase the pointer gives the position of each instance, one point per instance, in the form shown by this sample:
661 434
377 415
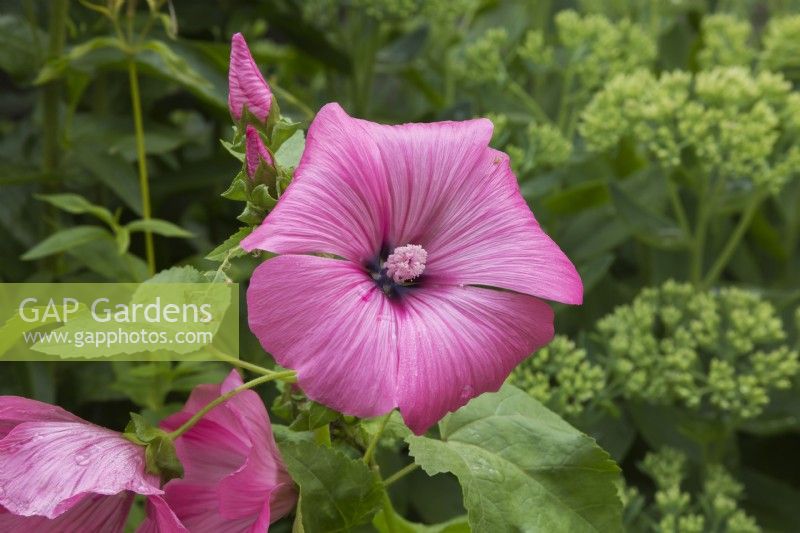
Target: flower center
406 263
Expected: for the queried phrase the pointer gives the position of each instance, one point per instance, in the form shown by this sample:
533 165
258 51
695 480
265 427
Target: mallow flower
410 273
234 479
59 472
246 86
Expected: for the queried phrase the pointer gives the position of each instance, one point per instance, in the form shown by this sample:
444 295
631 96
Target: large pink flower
234 478
61 473
433 294
246 85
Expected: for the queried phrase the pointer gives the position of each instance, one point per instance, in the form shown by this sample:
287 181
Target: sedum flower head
535 50
675 509
733 122
481 61
599 49
561 376
548 147
781 44
725 41
716 352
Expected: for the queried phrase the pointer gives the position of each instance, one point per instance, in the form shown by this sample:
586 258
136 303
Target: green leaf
237 190
56 68
578 197
312 416
78 205
337 492
288 154
401 525
647 225
231 243
123 237
174 65
523 468
161 227
64 240
19 55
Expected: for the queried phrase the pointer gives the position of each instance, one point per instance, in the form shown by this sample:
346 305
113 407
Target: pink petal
255 151
232 464
246 85
488 236
160 518
14 410
95 513
336 202
46 468
457 343
328 320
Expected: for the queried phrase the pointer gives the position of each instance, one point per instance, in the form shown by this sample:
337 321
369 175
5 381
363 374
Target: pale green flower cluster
718 352
726 42
482 60
781 44
676 510
560 376
388 9
535 50
598 49
547 146
728 120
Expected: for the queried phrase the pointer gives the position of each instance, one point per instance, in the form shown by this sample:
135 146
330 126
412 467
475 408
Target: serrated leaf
523 468
401 525
289 152
237 190
161 227
65 240
337 492
231 243
78 205
313 416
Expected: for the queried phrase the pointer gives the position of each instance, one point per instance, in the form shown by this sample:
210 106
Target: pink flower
434 296
234 476
61 473
246 85
255 151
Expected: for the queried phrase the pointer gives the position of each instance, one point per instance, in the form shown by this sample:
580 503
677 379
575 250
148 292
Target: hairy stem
224 398
373 443
144 185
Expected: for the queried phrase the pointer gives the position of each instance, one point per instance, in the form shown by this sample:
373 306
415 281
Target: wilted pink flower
246 85
61 473
234 476
434 294
255 151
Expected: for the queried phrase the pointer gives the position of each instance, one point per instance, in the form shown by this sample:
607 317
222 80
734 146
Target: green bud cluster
720 353
535 50
781 44
599 49
547 146
675 509
726 42
729 121
482 60
384 10
561 376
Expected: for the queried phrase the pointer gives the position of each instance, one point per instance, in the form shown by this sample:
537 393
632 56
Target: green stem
677 207
563 104
389 513
400 474
52 91
144 184
529 101
733 241
235 361
374 442
224 398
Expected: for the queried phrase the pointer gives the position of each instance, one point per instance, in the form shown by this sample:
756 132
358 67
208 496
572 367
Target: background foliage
655 141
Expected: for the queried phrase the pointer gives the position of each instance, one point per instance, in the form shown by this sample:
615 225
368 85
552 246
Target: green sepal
312 416
237 190
260 197
252 214
160 455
